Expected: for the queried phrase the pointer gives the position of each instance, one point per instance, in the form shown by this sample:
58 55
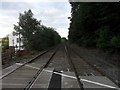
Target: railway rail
93 67
30 83
73 67
31 60
89 64
29 76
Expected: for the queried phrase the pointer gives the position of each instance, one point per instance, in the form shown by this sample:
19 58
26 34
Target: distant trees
63 39
96 25
35 35
5 43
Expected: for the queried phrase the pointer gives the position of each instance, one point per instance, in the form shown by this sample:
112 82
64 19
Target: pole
19 42
13 49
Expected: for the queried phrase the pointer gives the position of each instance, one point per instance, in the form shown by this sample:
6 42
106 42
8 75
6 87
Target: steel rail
95 68
35 77
73 67
29 61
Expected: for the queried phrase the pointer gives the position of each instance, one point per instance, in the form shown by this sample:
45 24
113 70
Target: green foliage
95 25
63 39
115 42
5 43
103 37
35 35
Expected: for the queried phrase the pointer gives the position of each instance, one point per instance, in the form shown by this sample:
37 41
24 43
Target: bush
115 42
103 37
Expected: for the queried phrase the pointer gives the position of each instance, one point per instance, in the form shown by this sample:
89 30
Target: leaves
35 36
95 25
5 43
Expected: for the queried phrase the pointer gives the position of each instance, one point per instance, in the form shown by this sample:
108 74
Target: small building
15 40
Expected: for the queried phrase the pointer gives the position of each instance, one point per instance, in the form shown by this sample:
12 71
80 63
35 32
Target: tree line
95 25
35 36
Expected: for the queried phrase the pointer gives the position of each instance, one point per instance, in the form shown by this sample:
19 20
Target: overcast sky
53 14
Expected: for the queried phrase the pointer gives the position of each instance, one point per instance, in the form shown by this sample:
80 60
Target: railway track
94 68
29 61
73 68
73 76
35 71
85 65
32 81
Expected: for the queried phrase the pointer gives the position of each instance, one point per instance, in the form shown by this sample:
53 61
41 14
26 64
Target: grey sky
52 14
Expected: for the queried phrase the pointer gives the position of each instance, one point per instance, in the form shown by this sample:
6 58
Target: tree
95 25
27 26
63 39
35 35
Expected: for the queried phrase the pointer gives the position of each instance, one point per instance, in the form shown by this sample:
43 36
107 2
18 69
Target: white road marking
32 67
28 66
15 68
8 72
93 82
47 70
97 83
85 80
61 71
92 74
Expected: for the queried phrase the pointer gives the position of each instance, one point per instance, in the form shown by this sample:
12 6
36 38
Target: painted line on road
29 66
15 69
93 82
7 73
85 80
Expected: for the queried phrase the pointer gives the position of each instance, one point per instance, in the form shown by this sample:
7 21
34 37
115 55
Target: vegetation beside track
96 25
